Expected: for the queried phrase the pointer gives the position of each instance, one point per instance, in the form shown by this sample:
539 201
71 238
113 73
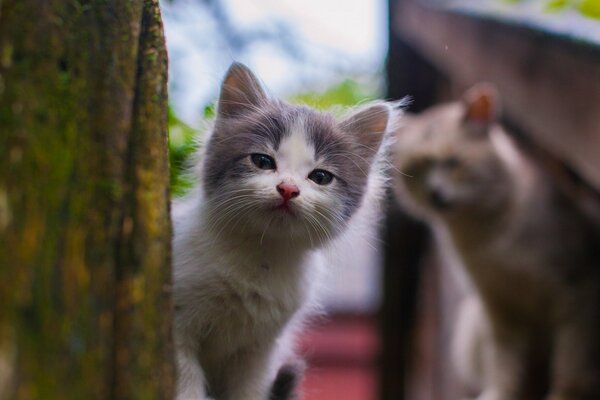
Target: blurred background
391 309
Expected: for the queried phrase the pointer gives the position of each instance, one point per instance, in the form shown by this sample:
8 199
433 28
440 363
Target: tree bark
85 305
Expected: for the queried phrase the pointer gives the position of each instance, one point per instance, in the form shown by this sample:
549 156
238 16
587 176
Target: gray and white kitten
278 184
531 330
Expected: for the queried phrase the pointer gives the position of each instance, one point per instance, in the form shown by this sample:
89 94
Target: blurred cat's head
448 160
280 170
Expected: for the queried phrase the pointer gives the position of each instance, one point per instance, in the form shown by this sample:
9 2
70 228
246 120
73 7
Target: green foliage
346 93
589 8
182 138
556 5
181 147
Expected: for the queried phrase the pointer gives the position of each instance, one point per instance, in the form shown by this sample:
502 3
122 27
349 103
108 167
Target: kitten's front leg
496 394
576 361
247 375
190 376
507 368
289 376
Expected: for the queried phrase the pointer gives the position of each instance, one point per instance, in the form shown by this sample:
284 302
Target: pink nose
288 190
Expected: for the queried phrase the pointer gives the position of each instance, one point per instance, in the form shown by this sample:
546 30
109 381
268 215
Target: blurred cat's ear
369 126
240 92
482 105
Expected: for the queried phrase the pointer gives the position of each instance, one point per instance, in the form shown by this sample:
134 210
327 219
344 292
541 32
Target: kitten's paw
287 381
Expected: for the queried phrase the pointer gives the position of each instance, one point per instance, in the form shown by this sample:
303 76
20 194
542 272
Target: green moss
66 120
6 55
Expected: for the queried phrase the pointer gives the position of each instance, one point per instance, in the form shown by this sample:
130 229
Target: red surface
341 353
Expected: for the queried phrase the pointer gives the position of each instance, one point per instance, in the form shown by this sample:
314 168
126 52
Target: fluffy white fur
243 295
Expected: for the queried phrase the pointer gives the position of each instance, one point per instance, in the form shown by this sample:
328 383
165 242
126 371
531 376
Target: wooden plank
550 86
407 240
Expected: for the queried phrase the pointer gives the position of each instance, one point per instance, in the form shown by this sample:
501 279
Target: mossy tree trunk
85 309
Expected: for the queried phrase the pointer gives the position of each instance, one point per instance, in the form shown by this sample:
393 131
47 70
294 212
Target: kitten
534 329
278 183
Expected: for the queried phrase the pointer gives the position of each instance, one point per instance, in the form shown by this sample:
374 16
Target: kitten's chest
513 279
254 302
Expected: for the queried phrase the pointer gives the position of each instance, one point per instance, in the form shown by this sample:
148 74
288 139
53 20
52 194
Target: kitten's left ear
482 105
240 92
369 126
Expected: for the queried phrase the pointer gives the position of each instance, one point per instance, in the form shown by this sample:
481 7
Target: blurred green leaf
556 5
590 8
181 147
346 93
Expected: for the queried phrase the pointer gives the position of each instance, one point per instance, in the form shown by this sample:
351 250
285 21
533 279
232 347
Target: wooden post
85 309
407 240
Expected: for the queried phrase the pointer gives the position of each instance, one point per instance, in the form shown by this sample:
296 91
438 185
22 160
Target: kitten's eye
263 161
320 177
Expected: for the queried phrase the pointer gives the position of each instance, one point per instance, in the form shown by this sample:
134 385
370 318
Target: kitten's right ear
369 126
482 107
240 92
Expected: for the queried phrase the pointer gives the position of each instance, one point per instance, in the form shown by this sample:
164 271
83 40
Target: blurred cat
279 183
532 330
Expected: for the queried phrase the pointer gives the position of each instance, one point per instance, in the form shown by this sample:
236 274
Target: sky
337 39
